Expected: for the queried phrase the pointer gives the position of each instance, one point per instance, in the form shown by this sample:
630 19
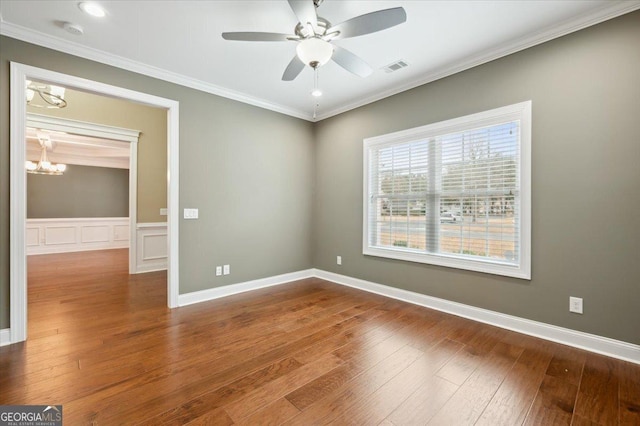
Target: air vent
395 66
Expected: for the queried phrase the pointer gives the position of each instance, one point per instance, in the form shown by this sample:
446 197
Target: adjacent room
320 212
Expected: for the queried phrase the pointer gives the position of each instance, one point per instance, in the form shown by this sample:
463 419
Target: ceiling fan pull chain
316 93
315 79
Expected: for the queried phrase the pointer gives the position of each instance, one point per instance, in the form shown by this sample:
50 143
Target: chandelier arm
51 169
47 96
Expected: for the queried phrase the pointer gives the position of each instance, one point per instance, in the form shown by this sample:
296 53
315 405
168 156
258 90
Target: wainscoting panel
33 236
121 232
152 247
95 234
60 235
46 236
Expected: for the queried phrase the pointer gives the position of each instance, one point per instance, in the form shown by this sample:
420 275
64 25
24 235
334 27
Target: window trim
520 111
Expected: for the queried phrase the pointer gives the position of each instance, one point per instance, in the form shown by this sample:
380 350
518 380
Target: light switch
190 213
226 270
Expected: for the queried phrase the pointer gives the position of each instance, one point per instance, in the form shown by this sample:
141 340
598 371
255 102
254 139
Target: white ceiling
180 41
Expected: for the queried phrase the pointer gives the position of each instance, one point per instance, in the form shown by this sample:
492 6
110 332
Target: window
454 193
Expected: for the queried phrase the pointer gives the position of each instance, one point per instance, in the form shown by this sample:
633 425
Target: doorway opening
20 74
91 203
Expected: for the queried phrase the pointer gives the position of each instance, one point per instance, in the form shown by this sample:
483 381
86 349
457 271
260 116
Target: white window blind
452 193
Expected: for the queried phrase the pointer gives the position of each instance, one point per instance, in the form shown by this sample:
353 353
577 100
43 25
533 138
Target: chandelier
44 166
53 96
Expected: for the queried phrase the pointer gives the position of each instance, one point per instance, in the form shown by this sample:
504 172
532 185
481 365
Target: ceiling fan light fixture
314 50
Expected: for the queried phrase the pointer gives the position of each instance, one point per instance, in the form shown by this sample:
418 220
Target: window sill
494 267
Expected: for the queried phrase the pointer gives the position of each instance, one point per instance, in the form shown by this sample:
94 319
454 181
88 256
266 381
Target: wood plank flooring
103 344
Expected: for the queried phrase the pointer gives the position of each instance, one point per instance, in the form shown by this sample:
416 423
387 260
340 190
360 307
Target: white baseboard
143 269
228 290
5 336
590 342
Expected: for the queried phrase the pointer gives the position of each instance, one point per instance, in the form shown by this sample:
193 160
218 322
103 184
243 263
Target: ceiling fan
315 35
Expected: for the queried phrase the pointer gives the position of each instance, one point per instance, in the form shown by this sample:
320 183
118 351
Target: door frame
20 73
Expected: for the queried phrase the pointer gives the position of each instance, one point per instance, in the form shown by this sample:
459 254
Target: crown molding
72 48
605 13
609 11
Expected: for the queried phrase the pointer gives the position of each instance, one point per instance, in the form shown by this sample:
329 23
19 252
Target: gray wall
151 122
585 89
82 191
250 172
273 201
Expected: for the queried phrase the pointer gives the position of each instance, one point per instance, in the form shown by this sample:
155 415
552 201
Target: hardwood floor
103 344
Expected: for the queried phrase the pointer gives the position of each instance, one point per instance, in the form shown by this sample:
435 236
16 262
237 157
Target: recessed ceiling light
317 93
91 8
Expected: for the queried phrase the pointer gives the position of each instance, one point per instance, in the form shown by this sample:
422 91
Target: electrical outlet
218 271
339 260
226 270
575 305
163 211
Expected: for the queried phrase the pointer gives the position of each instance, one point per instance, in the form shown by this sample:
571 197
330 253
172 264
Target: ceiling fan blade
253 36
351 62
368 23
294 68
305 11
